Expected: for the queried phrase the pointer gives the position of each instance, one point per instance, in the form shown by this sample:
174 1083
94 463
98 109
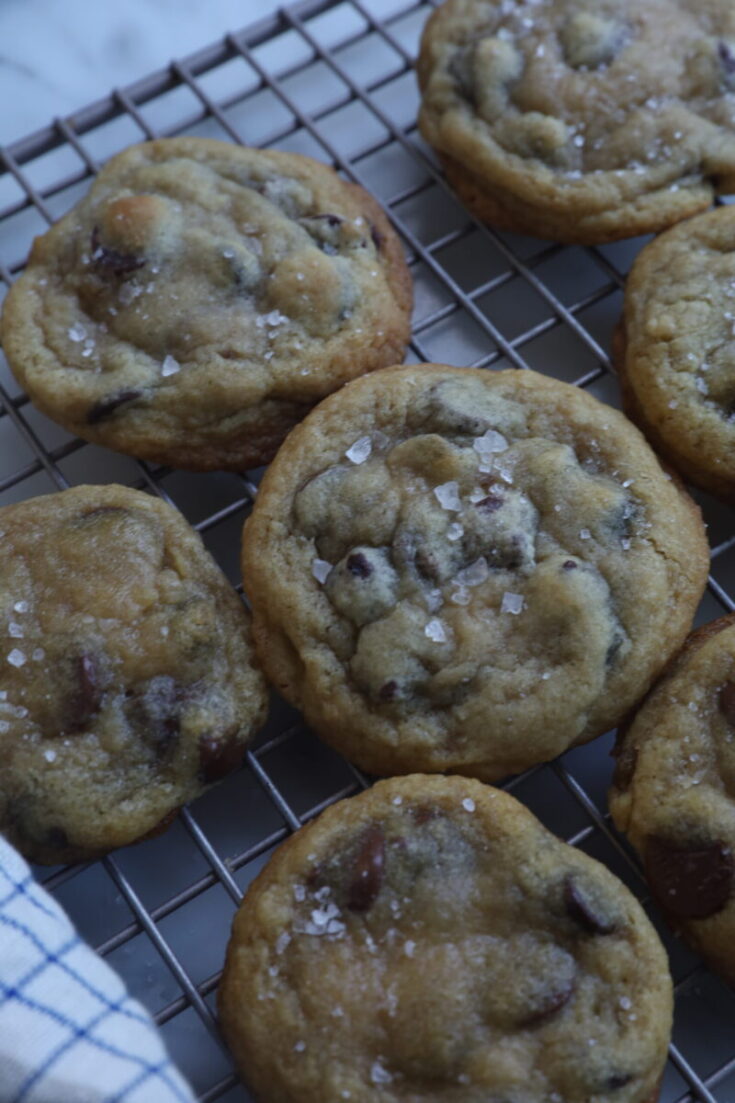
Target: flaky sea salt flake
360 450
170 366
447 495
379 1074
321 570
76 333
436 630
16 657
20 607
468 804
490 442
512 603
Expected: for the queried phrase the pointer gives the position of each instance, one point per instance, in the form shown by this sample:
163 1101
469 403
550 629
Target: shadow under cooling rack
333 80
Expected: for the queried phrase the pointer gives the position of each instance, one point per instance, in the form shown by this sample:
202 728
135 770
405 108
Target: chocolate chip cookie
126 677
202 298
674 792
674 348
578 122
430 940
465 570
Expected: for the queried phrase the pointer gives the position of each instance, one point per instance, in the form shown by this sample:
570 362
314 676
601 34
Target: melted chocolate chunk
727 58
582 911
626 756
367 871
618 1080
106 407
219 756
378 238
550 1004
689 882
358 565
727 702
86 696
110 261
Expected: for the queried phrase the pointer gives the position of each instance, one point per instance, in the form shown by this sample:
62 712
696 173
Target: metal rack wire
331 78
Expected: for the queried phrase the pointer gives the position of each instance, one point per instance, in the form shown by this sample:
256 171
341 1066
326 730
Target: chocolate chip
378 238
91 515
550 1003
569 565
86 695
626 756
388 691
727 702
493 501
106 406
358 565
422 813
582 910
690 882
367 871
109 260
219 756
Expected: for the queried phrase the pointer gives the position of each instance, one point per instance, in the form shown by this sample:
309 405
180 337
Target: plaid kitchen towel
69 1032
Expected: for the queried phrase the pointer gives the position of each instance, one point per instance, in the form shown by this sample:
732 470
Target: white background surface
59 55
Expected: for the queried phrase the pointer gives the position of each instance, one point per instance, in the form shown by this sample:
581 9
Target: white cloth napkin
69 1032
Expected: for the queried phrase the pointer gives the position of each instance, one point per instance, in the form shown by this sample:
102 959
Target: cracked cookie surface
582 125
430 940
674 348
674 792
201 298
467 570
126 677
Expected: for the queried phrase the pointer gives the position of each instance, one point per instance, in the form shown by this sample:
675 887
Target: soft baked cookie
578 122
674 792
126 678
454 569
430 940
674 348
202 298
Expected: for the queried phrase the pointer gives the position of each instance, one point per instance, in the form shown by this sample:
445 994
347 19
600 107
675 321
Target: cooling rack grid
332 79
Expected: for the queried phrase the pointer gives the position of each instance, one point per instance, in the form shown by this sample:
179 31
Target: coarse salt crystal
447 495
585 534
50 756
16 657
300 1047
455 531
398 800
360 450
461 596
436 631
299 892
321 570
15 630
21 607
625 1003
282 941
512 603
170 366
468 804
408 947
76 333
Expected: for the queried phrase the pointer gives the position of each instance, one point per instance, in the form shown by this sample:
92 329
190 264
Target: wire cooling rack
333 80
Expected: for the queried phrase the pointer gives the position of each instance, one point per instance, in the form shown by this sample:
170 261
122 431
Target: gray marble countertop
59 55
